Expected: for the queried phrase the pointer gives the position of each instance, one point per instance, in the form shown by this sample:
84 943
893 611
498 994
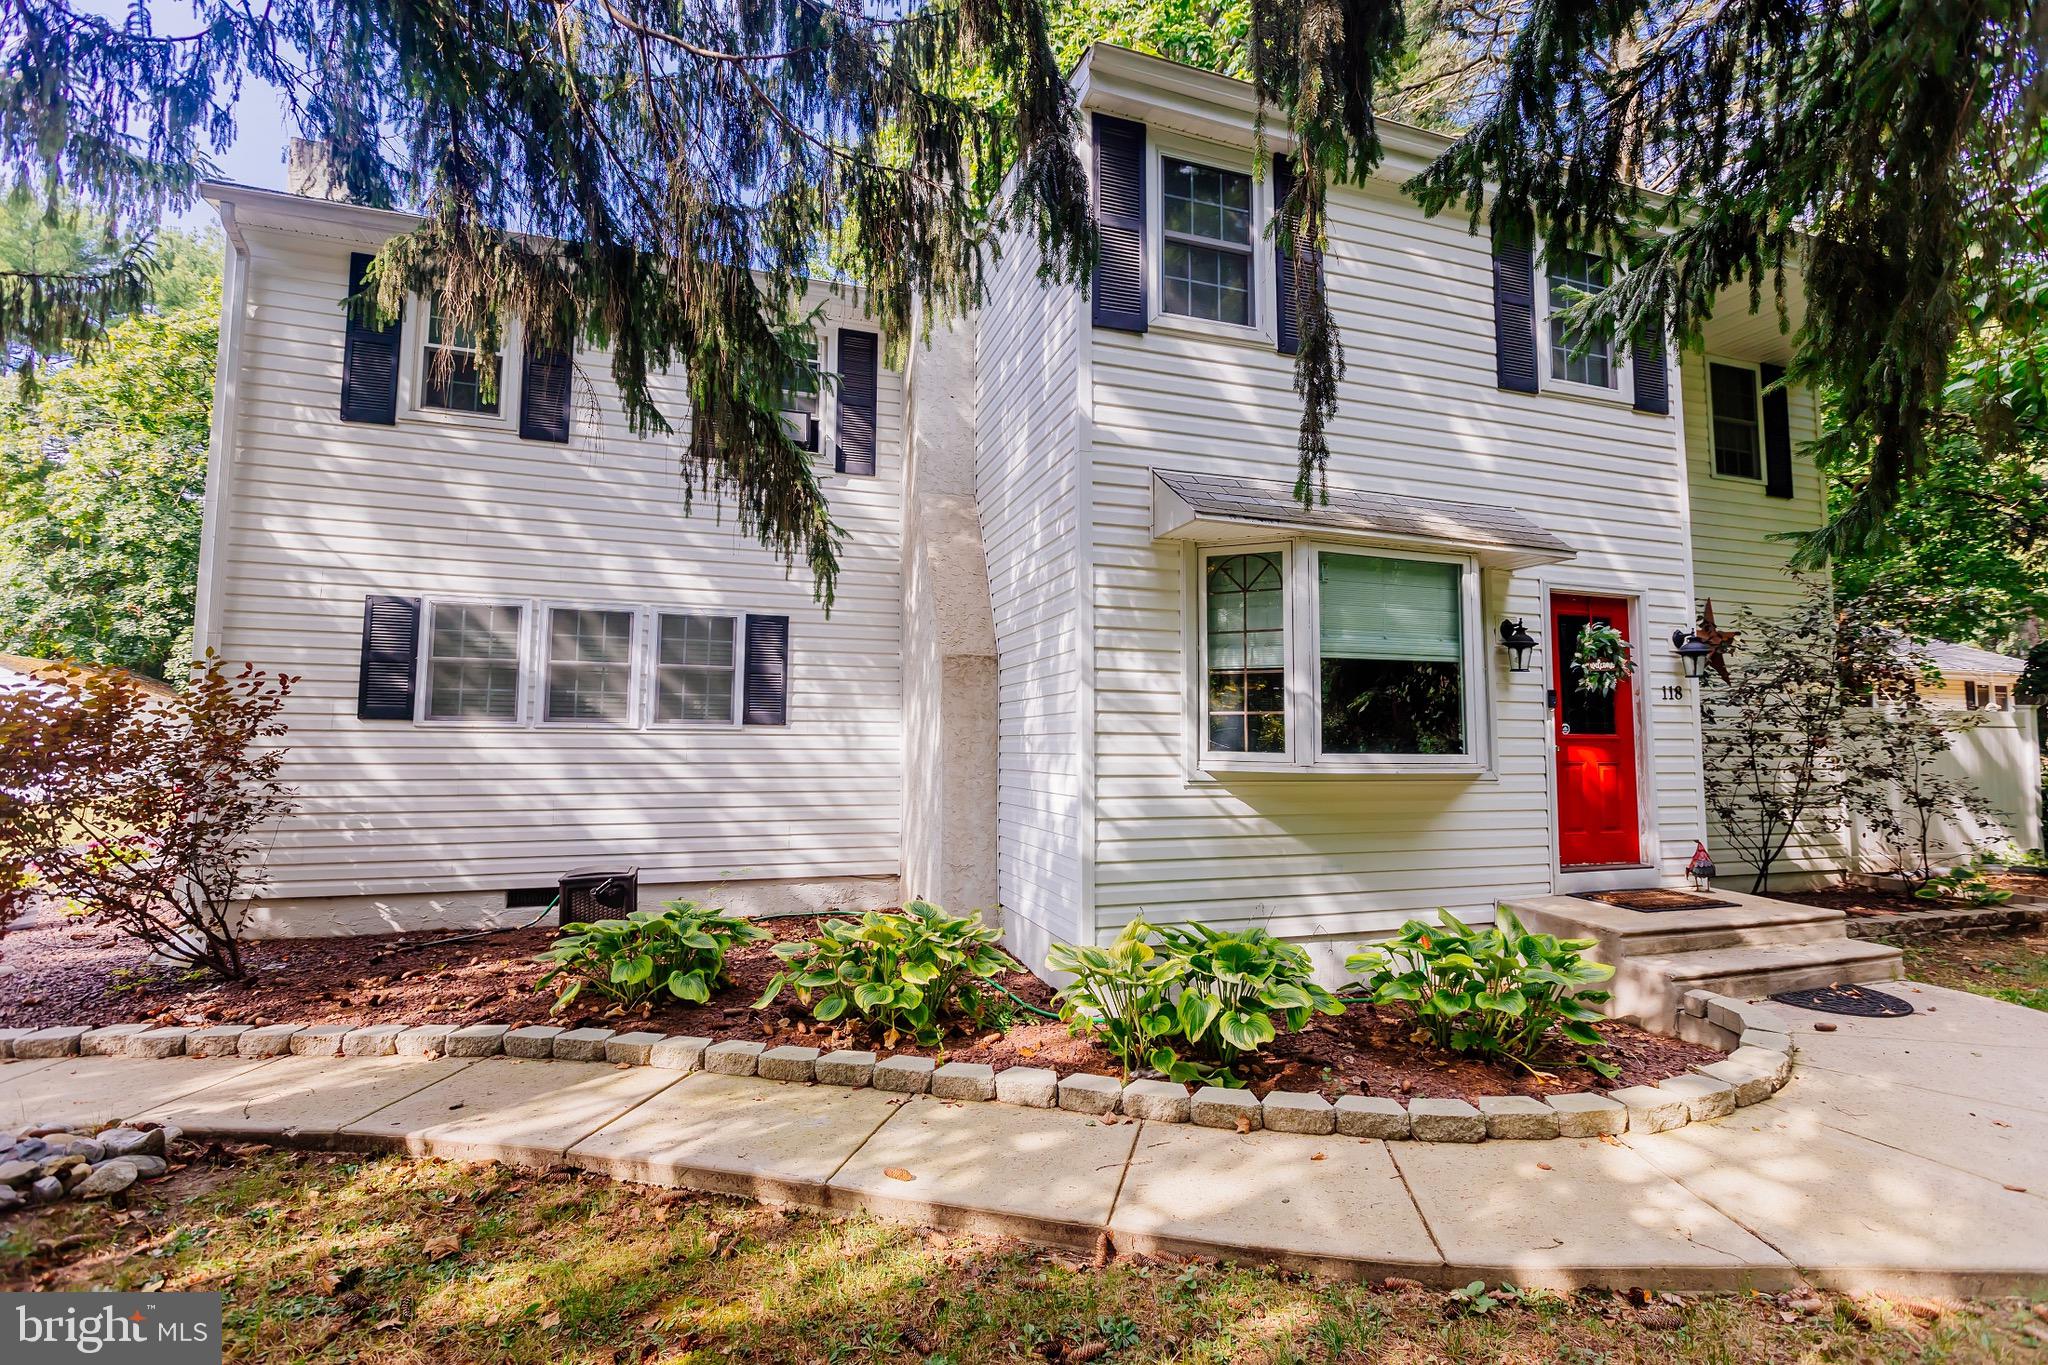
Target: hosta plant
1496 991
905 972
1119 994
1967 883
1231 984
679 949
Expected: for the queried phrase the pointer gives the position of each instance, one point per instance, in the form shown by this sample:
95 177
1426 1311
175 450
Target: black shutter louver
391 642
1119 294
1287 331
859 361
765 696
1777 432
369 359
1652 374
544 387
1514 310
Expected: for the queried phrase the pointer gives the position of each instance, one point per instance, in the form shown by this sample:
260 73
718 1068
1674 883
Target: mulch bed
1858 901
59 970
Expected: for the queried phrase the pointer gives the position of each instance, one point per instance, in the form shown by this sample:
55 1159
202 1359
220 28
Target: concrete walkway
1907 1154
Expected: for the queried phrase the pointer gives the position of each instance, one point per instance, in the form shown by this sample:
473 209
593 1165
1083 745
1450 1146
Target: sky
262 123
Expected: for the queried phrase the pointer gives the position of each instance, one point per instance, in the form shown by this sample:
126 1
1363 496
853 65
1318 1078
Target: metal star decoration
1717 641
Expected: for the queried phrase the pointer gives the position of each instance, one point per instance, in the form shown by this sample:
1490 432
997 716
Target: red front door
1598 823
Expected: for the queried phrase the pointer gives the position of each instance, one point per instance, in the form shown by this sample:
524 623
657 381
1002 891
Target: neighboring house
1090 659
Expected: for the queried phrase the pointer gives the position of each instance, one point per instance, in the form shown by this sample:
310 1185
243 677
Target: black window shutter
859 359
1777 432
391 644
1287 334
1514 310
369 359
544 394
1652 375
766 693
1119 297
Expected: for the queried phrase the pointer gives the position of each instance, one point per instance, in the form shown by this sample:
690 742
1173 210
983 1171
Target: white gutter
220 460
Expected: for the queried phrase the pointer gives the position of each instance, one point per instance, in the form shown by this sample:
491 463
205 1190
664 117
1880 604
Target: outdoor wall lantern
1692 650
1519 643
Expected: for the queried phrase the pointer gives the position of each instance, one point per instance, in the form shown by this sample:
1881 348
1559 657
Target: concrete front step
1652 988
1752 921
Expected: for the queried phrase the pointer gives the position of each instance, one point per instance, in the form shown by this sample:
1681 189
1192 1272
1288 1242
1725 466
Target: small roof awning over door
1223 509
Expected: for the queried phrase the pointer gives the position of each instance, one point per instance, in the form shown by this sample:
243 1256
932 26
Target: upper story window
473 661
1737 420
799 401
1578 357
1206 268
452 366
1321 657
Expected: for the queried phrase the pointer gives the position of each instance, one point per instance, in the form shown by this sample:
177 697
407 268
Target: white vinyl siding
1338 857
324 513
1027 471
1740 565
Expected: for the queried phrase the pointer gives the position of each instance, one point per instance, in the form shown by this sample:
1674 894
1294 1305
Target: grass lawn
2012 967
326 1257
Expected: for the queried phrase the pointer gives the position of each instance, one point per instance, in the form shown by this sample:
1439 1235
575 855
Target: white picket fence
2001 758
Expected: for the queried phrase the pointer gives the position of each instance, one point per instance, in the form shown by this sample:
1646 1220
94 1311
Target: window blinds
1376 608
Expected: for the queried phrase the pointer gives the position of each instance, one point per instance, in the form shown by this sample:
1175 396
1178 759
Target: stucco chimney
309 171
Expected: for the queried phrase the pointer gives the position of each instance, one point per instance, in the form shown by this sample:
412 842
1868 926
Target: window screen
473 663
1578 357
590 665
1206 265
694 668
1738 437
1391 643
452 367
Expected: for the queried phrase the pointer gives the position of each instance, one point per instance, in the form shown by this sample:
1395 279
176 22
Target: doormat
1654 900
1857 1000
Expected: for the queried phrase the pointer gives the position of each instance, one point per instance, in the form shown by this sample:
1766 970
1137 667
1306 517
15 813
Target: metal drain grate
1856 1000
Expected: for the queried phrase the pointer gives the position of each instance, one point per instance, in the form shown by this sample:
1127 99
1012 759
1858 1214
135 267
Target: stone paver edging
1757 1066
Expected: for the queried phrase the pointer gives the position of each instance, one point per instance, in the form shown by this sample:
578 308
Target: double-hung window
589 665
1206 260
696 669
453 366
473 657
1578 355
1737 416
1316 656
799 401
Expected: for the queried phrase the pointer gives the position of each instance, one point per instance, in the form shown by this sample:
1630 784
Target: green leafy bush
1496 992
679 948
1968 883
1119 994
1231 985
904 972
1194 1006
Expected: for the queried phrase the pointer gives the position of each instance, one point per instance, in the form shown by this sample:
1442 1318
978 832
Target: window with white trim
696 668
1327 656
1245 615
1578 356
589 665
1735 414
1390 645
473 657
452 366
799 401
1207 269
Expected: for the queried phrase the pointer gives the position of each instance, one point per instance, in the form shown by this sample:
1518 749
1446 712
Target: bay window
1322 657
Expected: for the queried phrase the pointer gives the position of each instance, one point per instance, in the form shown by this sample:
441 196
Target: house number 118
1671 692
